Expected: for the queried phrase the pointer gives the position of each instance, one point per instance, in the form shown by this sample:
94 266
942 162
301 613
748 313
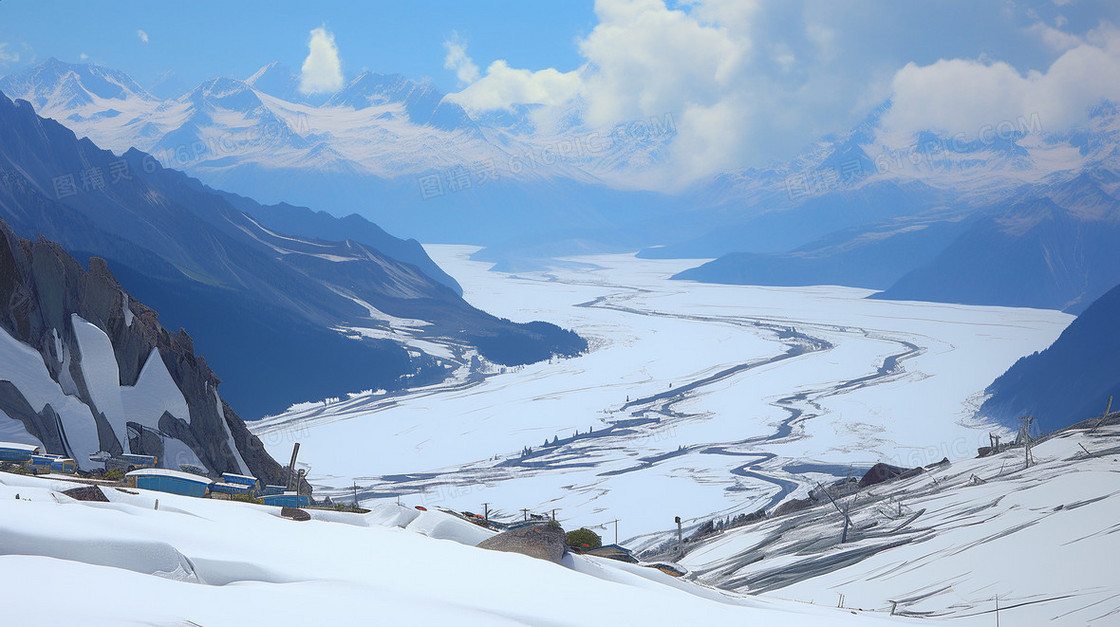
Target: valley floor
694 400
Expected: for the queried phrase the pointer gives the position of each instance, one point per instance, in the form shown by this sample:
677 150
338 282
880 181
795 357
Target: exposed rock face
544 542
42 288
792 505
884 472
87 493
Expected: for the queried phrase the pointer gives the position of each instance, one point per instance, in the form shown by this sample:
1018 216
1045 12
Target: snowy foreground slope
696 400
206 562
949 542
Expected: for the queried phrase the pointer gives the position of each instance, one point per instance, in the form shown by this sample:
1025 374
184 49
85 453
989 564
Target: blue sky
747 81
199 40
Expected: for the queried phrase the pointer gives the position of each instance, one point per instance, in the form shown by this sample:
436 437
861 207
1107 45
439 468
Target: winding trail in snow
657 410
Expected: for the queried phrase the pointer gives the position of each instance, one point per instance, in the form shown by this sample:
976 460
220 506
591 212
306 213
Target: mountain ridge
192 254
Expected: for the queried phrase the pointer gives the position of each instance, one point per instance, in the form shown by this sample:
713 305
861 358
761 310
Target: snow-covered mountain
532 182
255 298
387 147
86 368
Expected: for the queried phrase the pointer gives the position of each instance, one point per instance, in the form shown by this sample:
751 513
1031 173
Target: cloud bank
960 96
753 82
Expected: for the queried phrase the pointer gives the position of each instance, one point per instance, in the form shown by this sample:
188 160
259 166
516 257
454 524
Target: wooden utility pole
843 513
525 513
355 489
486 512
292 466
615 521
680 537
1025 436
1107 411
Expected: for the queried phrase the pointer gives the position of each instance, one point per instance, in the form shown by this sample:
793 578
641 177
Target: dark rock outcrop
545 542
792 505
87 493
885 472
294 513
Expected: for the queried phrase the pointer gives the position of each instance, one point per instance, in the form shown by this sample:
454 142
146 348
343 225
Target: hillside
1048 247
254 298
873 258
1071 379
954 540
210 562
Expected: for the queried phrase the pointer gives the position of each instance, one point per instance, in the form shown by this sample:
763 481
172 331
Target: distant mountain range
1025 220
921 217
1071 380
86 368
1048 246
386 147
285 318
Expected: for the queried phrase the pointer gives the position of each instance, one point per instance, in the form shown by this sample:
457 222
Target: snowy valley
768 391
624 312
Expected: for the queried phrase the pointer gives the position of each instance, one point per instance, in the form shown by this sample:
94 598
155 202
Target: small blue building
130 461
18 453
231 489
287 499
41 464
172 481
244 480
64 465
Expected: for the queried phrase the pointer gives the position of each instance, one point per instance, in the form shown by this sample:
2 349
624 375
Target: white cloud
749 83
1054 38
322 70
644 59
967 96
142 35
465 69
83 57
7 57
504 86
648 59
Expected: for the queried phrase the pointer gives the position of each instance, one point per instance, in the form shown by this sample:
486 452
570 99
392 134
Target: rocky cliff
115 380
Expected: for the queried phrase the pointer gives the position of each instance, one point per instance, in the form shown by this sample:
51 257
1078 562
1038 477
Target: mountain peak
424 103
55 84
228 93
278 81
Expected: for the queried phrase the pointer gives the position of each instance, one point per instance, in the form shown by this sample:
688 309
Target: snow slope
955 541
24 367
208 562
